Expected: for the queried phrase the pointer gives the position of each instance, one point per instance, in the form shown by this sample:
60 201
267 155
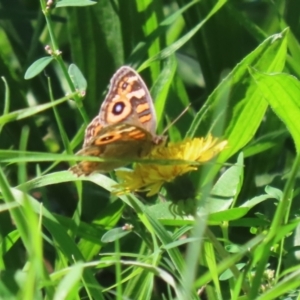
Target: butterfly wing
118 144
125 127
128 101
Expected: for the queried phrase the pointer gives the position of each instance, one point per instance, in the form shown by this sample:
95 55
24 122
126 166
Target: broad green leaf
273 192
77 78
38 66
237 105
114 234
228 274
256 200
236 212
236 91
225 190
282 92
227 215
63 3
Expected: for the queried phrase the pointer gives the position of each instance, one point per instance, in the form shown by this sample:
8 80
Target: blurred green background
183 50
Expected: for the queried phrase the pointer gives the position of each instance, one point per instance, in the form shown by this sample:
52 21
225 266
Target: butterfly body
125 127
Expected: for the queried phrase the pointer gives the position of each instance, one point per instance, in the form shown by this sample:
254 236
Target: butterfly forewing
118 145
128 101
125 127
92 130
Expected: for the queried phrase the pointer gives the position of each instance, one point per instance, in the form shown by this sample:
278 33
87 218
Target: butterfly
125 127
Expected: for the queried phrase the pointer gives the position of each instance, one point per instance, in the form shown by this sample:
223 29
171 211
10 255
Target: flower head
180 158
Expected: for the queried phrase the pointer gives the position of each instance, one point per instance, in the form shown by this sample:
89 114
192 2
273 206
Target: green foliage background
237 63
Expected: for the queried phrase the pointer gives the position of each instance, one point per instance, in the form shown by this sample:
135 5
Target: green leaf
241 95
288 284
6 244
273 192
38 66
225 190
228 274
185 38
64 3
66 244
97 59
114 234
30 111
77 78
69 284
237 104
227 215
282 93
162 85
256 200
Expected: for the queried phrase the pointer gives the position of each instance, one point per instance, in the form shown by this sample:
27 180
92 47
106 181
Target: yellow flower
152 176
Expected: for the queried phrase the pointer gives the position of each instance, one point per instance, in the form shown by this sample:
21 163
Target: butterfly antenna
177 118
